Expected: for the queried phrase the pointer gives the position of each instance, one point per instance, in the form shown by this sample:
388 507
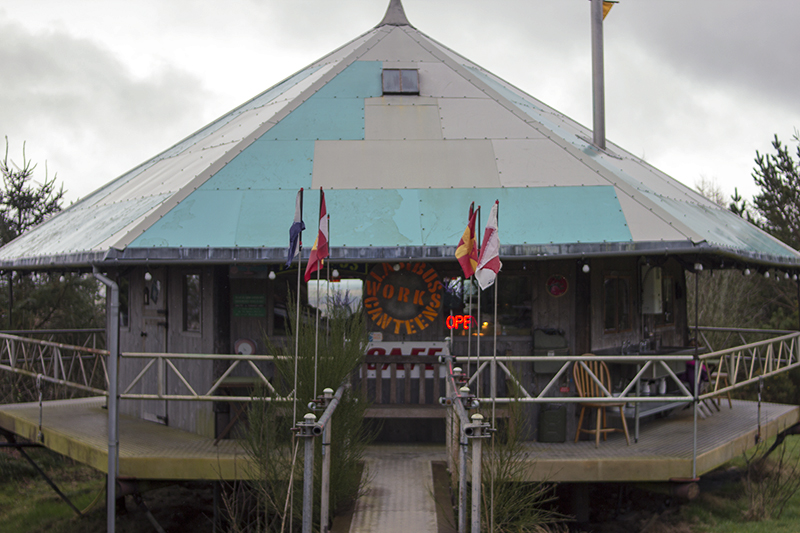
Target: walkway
400 495
78 429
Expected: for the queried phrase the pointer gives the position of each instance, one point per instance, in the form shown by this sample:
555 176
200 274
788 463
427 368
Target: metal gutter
376 254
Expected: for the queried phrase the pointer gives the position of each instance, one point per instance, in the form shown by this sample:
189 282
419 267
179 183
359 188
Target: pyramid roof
399 172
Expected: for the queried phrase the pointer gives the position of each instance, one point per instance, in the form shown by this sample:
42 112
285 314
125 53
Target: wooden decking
77 429
664 450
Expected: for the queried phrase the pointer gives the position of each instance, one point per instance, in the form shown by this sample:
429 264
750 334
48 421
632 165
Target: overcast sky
695 87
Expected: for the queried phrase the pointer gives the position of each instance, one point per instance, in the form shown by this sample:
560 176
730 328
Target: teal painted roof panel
205 218
361 79
267 164
321 119
388 218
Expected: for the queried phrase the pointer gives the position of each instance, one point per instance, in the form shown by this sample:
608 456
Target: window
617 303
400 81
667 316
339 292
514 309
192 302
124 301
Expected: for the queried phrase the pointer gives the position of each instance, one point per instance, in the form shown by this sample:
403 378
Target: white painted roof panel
540 163
481 118
414 164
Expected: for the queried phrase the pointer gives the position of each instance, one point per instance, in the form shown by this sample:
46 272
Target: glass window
667 317
192 302
617 303
400 81
514 310
124 302
337 293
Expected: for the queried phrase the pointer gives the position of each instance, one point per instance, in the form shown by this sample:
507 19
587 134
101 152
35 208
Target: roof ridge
395 15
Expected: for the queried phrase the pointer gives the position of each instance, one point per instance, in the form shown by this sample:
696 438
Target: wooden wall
156 326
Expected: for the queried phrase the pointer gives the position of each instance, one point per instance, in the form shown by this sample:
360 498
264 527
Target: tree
777 206
36 300
23 202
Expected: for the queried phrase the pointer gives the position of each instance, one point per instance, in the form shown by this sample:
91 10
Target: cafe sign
403 298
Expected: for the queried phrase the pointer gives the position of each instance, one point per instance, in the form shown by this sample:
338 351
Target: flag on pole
607 5
320 249
489 263
467 251
297 229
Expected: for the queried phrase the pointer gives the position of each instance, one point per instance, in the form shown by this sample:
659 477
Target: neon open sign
459 322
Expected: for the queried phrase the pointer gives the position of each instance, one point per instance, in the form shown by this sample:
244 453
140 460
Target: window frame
413 90
667 301
186 320
618 328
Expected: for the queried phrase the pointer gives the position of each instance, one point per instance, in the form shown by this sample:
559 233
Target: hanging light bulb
335 274
585 268
271 274
766 274
148 276
746 271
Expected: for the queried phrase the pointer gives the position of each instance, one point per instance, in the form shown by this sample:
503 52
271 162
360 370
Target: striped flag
467 251
489 263
320 249
295 232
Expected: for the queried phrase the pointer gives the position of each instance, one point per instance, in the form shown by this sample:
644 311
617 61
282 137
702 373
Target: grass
724 505
27 503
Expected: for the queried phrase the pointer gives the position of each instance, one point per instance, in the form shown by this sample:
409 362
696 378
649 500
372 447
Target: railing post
476 431
327 396
306 428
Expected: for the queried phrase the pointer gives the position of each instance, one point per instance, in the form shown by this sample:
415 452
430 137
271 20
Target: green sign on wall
249 305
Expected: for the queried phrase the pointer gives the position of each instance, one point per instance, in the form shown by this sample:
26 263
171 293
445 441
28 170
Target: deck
77 429
664 450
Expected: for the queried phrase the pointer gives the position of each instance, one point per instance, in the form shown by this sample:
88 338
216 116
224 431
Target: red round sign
557 285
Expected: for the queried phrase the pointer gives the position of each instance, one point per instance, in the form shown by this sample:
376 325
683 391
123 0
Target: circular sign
403 298
557 285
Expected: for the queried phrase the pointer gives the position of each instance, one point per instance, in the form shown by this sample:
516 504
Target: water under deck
77 429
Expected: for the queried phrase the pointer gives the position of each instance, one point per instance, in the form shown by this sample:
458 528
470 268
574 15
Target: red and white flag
489 261
320 249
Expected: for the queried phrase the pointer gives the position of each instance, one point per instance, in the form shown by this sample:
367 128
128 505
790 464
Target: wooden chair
588 388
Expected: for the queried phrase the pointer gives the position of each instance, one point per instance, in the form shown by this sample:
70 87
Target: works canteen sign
403 298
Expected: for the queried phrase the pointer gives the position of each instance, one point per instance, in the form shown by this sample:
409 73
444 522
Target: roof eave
719 256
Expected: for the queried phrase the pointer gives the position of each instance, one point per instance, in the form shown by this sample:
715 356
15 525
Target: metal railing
75 367
740 366
158 366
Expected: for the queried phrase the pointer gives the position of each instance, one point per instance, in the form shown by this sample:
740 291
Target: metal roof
399 172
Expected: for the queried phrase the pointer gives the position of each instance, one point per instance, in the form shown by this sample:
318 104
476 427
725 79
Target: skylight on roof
400 81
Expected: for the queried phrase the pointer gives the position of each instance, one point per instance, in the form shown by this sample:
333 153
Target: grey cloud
78 98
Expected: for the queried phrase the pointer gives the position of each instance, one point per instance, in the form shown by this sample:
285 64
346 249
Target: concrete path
400 497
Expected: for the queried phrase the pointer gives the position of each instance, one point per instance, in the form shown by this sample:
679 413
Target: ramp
400 495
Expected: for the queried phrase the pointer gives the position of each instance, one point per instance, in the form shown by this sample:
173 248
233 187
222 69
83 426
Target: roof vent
395 15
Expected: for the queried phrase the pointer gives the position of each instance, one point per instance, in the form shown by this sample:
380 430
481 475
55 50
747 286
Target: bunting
320 249
467 251
489 263
296 230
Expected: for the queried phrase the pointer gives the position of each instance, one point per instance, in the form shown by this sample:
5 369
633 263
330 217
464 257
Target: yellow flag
607 7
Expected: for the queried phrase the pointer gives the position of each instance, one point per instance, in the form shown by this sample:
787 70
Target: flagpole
316 338
480 324
494 350
297 315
